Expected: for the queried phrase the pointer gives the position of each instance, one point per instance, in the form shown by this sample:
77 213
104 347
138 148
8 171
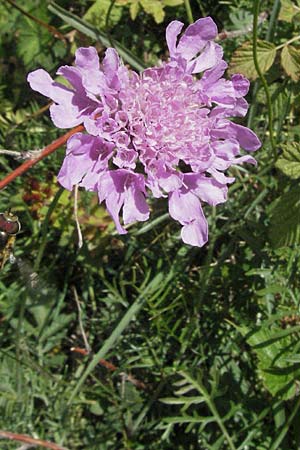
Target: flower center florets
165 117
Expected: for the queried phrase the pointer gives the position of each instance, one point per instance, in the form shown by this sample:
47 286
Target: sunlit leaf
290 60
288 10
242 59
97 13
285 219
289 162
272 349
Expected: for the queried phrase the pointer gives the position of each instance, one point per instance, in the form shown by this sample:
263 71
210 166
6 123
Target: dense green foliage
204 343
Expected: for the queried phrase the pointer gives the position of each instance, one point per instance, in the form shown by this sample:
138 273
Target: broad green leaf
289 162
285 219
32 43
172 2
290 60
154 8
94 33
288 10
134 9
242 59
272 348
97 13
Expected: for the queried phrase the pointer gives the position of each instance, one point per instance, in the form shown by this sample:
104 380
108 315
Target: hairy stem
262 78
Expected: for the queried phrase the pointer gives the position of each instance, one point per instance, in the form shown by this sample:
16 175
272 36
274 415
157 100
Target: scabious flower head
166 131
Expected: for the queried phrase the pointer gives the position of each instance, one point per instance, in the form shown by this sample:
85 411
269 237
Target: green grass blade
99 35
156 284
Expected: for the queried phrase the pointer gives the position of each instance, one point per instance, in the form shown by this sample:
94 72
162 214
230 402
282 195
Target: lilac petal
87 58
125 158
210 57
64 117
207 189
246 137
73 75
196 36
111 64
237 108
212 75
195 233
135 206
77 161
184 207
229 130
241 84
246 158
170 182
65 114
222 92
226 149
111 189
220 177
172 32
41 82
240 108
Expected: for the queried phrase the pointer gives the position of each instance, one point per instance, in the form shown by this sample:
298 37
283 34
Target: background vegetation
200 347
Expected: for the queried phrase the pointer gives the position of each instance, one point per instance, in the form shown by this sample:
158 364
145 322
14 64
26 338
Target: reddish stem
109 366
29 440
45 152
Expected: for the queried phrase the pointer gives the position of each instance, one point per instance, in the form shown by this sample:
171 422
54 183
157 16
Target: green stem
188 11
122 325
44 230
261 76
200 388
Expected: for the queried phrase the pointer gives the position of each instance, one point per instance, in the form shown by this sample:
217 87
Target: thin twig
26 154
256 6
80 240
45 152
26 446
86 342
112 368
29 440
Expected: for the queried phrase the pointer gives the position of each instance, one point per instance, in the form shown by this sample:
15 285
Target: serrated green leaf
97 13
242 59
290 60
289 162
285 219
288 10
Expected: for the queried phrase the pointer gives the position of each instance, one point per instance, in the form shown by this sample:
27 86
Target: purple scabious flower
166 131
